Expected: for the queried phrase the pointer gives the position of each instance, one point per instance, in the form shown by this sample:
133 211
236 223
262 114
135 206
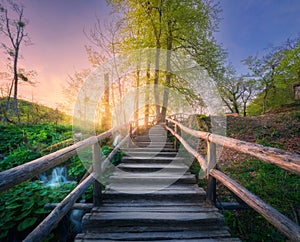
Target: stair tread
155 216
160 235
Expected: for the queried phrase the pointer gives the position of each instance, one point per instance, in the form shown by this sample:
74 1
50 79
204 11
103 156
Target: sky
56 30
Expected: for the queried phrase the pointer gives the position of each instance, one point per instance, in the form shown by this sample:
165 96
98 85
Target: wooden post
211 164
130 129
175 139
97 189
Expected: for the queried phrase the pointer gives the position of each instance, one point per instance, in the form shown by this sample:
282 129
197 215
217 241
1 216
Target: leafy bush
22 207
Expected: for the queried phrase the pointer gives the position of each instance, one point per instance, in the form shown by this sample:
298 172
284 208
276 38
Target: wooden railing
284 159
19 174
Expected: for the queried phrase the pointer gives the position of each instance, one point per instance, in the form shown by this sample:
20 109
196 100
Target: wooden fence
284 159
19 174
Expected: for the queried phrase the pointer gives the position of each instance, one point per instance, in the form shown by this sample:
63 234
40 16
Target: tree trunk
168 73
156 77
106 118
15 102
147 97
136 101
265 100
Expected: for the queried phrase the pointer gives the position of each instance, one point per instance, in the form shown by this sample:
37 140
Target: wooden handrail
19 174
281 222
198 156
281 158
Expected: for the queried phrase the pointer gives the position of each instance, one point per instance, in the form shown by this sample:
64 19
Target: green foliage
33 113
17 152
37 136
106 150
276 98
18 157
22 207
272 184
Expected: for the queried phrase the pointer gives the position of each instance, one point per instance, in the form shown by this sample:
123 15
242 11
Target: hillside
34 113
276 129
279 188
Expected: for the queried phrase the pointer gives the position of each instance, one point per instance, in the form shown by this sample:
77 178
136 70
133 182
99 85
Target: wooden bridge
151 195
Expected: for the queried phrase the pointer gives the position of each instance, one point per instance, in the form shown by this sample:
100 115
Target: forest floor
275 129
277 187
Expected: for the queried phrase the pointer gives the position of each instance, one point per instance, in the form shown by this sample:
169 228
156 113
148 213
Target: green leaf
26 223
13 206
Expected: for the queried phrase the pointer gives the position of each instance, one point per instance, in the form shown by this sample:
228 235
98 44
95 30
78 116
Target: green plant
22 207
272 184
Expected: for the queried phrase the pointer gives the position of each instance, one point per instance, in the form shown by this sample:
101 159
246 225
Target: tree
14 31
275 72
165 24
264 71
288 70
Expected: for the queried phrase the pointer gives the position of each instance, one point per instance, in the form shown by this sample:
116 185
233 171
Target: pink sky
56 30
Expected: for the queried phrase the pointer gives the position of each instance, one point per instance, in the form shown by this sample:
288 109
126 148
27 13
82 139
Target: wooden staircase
152 196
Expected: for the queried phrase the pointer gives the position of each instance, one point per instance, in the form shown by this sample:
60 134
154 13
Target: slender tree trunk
147 96
15 102
156 78
168 74
106 118
265 99
137 95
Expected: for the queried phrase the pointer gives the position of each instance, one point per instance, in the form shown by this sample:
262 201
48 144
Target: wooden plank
281 222
147 236
161 209
80 206
159 228
175 240
151 218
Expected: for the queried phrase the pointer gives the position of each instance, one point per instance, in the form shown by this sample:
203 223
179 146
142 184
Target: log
281 158
281 222
80 206
44 228
19 174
